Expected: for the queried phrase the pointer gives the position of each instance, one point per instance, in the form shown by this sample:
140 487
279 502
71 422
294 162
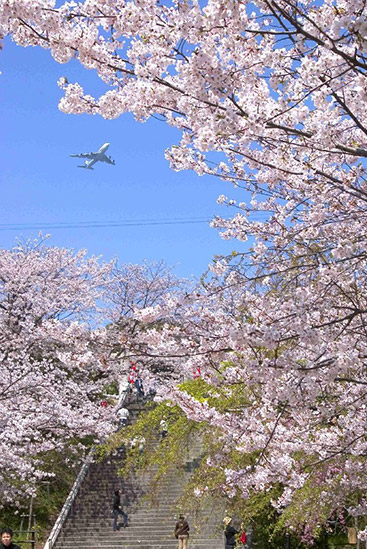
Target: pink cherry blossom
268 96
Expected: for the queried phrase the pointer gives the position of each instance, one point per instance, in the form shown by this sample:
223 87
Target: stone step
139 517
91 524
120 539
134 519
130 489
132 506
166 500
101 492
210 544
150 516
124 534
131 531
139 529
107 522
147 544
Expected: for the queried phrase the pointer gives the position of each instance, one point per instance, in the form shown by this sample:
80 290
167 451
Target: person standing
6 539
139 387
117 510
230 533
249 536
182 532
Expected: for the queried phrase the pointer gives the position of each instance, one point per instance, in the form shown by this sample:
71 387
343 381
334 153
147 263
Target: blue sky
41 184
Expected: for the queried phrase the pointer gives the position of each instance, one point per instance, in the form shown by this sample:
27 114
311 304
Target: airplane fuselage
93 157
99 155
104 148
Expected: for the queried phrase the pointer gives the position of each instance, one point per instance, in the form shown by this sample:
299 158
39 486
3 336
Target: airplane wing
105 158
85 155
90 163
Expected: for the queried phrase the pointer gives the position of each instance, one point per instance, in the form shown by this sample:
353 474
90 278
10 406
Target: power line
101 224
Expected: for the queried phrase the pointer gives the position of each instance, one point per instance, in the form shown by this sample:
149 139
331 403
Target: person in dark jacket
182 532
6 539
117 510
139 387
230 533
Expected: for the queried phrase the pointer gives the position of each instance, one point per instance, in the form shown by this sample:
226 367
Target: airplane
94 157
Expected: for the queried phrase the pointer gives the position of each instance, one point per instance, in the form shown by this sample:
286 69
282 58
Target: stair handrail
51 540
123 397
69 501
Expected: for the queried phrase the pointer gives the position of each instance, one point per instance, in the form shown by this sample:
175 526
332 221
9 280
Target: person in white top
123 415
164 428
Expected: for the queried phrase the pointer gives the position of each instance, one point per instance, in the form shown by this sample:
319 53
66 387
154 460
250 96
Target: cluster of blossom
55 359
305 412
49 370
277 89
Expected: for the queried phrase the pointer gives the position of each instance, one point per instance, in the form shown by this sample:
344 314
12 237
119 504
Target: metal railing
123 399
69 502
51 540
31 537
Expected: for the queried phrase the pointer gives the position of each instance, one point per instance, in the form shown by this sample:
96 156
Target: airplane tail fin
85 167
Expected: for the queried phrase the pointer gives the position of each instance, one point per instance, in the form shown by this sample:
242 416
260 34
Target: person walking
6 539
182 532
123 416
164 428
249 536
242 538
230 534
118 510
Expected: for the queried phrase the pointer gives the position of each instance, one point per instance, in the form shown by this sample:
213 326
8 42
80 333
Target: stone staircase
151 525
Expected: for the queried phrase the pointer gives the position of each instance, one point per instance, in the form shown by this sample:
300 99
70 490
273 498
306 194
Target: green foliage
50 495
220 398
112 389
207 487
156 452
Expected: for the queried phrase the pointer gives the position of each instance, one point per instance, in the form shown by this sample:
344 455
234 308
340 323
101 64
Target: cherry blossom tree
133 288
51 379
58 356
269 95
140 287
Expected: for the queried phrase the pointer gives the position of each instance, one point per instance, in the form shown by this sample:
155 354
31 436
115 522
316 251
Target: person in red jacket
242 539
